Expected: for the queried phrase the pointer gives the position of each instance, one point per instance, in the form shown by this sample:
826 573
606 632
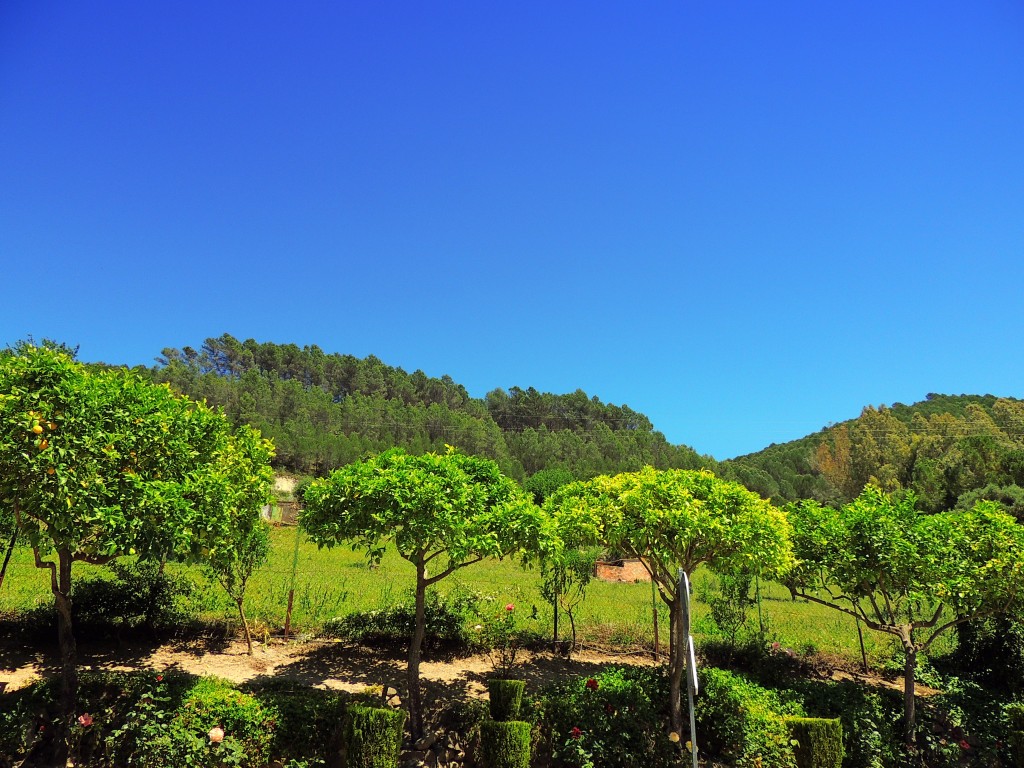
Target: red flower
510 607
159 678
85 720
964 745
592 684
575 733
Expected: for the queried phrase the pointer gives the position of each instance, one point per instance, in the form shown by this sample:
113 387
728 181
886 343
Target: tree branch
450 570
40 563
931 622
875 625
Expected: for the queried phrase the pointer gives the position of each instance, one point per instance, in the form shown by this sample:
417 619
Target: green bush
1014 715
870 719
505 744
373 737
247 727
741 722
506 698
818 741
446 619
309 719
139 594
616 719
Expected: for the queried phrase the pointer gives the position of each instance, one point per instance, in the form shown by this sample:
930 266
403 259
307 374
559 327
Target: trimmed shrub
506 698
742 722
819 741
505 744
373 737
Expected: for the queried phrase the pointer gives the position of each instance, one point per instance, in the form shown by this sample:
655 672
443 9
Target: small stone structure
627 570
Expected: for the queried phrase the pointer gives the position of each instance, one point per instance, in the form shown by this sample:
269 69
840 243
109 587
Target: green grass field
330 583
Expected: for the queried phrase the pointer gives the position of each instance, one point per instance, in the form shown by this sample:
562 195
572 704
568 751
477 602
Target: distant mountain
948 449
324 410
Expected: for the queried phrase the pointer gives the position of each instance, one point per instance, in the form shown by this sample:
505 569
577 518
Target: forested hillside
948 449
324 410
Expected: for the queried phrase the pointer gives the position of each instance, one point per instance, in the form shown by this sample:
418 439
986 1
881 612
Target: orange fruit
37 429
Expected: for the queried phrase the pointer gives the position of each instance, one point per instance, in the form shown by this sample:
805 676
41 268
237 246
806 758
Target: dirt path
324 664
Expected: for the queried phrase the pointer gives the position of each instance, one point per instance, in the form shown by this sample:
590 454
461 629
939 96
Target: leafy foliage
372 737
326 410
140 593
442 511
742 722
616 719
101 463
445 617
506 697
675 519
942 449
817 742
505 744
907 574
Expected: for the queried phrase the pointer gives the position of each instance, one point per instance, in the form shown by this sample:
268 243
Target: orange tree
674 519
442 512
98 463
906 573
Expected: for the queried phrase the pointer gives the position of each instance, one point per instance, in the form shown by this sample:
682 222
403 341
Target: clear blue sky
746 220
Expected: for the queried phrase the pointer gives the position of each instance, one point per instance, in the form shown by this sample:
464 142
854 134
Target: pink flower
216 734
575 733
592 684
510 607
85 720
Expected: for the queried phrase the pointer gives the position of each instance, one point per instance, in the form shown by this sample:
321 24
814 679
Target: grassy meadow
334 582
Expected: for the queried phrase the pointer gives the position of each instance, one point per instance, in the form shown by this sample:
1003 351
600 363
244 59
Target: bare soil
317 663
344 666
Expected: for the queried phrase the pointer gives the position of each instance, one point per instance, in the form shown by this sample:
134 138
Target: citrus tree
906 573
98 463
242 545
442 512
674 519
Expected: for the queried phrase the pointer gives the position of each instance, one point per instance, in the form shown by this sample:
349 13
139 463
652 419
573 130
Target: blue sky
746 220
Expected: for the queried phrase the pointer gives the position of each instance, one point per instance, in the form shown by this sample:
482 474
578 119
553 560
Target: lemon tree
96 463
674 519
907 573
442 511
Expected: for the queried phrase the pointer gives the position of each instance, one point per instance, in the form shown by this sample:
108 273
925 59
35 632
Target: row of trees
879 558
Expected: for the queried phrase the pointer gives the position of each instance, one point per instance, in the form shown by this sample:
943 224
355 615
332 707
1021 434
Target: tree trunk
415 701
7 555
69 661
909 715
245 626
677 661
